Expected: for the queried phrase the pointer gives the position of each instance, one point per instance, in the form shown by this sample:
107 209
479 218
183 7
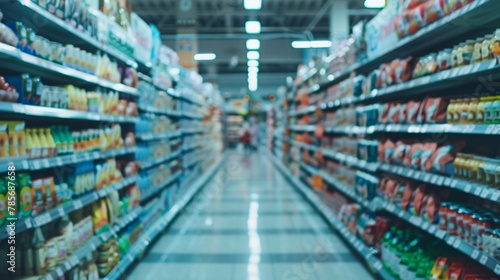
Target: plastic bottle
43 142
496 109
471 115
480 110
51 143
464 111
36 144
69 139
488 110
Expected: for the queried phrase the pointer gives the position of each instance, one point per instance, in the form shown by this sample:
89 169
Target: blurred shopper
246 137
254 131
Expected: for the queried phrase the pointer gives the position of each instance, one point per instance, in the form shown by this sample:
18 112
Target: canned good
451 219
461 216
443 211
479 224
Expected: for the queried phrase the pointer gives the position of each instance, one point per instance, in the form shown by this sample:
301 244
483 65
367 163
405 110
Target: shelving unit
326 147
149 185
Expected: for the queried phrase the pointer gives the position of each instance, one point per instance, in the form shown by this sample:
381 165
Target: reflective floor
249 223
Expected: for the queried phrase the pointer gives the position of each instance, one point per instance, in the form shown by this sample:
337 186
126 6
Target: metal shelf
154 230
469 129
47 112
50 26
364 252
453 241
61 210
85 250
154 110
480 12
24 164
455 77
15 60
153 162
152 137
151 191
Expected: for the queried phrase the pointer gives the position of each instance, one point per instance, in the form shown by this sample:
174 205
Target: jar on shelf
460 54
464 111
453 57
496 109
444 59
457 110
478 45
471 115
458 165
468 52
451 219
480 110
495 44
450 110
488 110
486 48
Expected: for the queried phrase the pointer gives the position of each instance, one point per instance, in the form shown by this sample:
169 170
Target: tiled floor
249 223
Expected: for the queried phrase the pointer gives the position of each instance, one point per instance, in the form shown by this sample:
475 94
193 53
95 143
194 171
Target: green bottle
386 253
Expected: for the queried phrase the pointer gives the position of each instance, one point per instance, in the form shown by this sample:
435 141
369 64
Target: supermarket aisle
249 223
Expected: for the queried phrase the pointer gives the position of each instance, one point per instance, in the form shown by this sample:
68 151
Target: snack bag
393 113
434 10
397 196
385 150
400 152
389 189
407 195
435 109
442 159
412 109
428 150
413 157
418 200
430 208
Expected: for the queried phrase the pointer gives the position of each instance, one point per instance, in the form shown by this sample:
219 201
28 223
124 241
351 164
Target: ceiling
220 28
229 16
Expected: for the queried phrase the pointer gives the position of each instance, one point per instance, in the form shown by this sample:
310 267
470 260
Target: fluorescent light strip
253 44
253 55
374 4
252 27
204 56
252 4
311 44
253 69
253 63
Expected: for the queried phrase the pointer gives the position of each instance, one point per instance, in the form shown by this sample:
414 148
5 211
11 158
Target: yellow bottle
29 143
44 145
37 146
51 142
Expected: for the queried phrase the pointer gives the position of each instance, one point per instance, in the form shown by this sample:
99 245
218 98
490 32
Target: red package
441 161
407 195
384 76
428 150
412 109
434 110
403 69
402 113
412 159
382 112
397 196
411 4
415 19
393 113
381 186
434 10
430 208
418 199
389 189
400 152
385 150
401 26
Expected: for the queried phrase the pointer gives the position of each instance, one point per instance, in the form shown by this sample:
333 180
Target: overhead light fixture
311 44
253 55
252 76
252 27
375 4
253 44
204 56
252 4
253 69
253 63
